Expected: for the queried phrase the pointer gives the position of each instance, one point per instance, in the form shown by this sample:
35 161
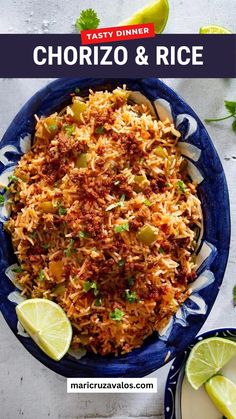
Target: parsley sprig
88 19
231 108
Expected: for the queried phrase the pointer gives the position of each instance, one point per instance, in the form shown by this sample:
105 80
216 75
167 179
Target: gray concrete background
28 389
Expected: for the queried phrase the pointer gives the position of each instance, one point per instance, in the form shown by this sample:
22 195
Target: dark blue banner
161 56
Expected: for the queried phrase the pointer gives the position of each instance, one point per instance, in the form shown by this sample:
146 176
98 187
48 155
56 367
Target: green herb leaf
69 250
98 302
83 234
53 127
33 234
181 185
234 295
230 106
17 270
121 227
13 178
41 276
46 246
117 314
121 263
234 126
77 90
1 200
88 285
130 296
161 250
147 202
61 210
88 19
100 130
131 281
69 129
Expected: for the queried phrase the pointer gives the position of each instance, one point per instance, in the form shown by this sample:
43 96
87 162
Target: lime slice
207 358
222 392
47 324
214 29
156 12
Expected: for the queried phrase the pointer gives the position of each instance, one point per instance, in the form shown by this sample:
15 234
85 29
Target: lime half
156 12
214 29
222 392
47 324
207 358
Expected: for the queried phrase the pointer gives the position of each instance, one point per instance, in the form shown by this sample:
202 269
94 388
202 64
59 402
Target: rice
104 220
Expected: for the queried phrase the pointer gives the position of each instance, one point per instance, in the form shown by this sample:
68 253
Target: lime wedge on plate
47 324
214 29
207 358
222 392
156 12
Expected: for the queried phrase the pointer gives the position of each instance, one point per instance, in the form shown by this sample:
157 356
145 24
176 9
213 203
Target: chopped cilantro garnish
83 234
121 227
161 250
61 210
88 285
100 130
1 200
88 19
98 302
130 296
17 270
41 276
69 250
46 246
121 263
131 281
33 234
181 185
77 90
69 129
13 178
117 314
147 202
53 127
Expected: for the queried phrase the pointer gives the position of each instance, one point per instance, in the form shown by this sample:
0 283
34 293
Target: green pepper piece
147 234
81 161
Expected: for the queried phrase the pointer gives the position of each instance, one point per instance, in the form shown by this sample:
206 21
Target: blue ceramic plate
183 402
204 167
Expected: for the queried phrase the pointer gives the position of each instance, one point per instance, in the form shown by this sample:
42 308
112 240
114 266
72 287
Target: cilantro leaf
147 202
88 19
121 263
13 178
77 90
69 129
1 200
234 126
98 302
17 270
61 210
130 296
88 285
120 203
117 314
181 185
230 106
121 227
41 276
100 130
131 281
70 249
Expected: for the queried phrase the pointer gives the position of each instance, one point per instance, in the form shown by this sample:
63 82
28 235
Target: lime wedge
214 29
207 358
156 12
222 392
47 324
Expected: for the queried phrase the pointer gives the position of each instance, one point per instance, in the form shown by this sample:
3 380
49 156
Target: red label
118 33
